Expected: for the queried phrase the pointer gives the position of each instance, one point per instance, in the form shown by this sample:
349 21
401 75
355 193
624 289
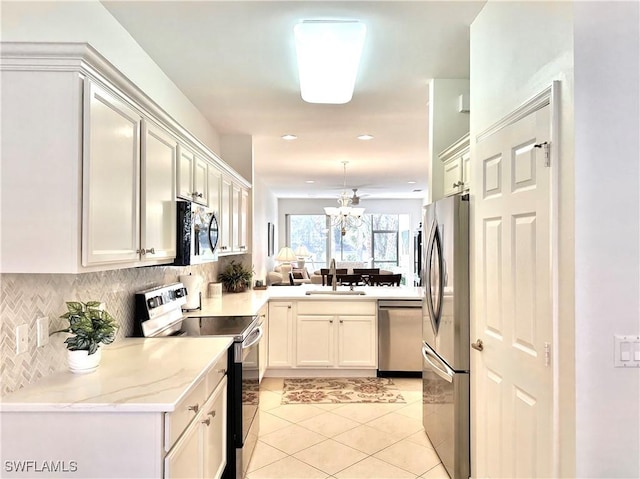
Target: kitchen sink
338 293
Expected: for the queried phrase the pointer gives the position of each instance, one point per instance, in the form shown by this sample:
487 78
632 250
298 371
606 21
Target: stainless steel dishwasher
400 338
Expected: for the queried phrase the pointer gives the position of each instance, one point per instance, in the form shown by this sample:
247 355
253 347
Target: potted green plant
235 277
90 326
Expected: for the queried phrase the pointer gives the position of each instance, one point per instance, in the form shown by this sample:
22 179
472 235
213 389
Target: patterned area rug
340 390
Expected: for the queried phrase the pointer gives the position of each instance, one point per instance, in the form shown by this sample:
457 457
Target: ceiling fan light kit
328 54
345 216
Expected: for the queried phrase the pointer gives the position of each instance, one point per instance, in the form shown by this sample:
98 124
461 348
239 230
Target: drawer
216 373
177 421
337 307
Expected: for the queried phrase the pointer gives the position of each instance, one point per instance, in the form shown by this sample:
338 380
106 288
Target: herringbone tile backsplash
26 297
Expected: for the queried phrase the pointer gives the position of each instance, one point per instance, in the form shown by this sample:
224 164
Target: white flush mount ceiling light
365 137
328 53
289 137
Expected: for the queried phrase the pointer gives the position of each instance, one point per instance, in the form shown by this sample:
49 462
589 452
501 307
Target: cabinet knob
289 306
221 371
195 408
212 413
206 421
458 183
197 195
331 320
341 321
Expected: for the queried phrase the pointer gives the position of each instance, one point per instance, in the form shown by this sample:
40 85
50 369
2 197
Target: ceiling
235 61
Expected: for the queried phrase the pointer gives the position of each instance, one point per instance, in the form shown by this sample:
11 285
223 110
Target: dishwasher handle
400 304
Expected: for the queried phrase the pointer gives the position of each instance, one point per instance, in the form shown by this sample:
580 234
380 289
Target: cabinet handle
289 307
195 408
221 371
150 251
458 183
197 195
341 321
331 320
212 413
139 251
206 421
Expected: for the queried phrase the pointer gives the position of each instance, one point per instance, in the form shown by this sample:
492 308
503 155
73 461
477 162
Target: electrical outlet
22 338
43 331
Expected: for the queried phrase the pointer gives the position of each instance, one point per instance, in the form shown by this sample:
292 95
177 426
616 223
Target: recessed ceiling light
365 137
310 181
289 137
411 182
328 55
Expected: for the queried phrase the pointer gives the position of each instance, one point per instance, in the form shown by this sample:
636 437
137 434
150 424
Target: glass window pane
309 231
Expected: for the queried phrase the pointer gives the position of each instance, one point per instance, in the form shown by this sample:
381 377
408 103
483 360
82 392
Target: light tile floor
343 441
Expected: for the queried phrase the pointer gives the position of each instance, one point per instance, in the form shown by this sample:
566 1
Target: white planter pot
82 362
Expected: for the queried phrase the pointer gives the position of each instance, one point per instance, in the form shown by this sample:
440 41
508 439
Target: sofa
300 276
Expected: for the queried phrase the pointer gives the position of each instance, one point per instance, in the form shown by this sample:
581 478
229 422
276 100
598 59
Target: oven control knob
180 292
154 302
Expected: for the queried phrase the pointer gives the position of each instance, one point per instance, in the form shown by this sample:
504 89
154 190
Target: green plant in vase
235 277
90 326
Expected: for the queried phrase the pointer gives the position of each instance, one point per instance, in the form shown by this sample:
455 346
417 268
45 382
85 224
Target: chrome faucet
332 273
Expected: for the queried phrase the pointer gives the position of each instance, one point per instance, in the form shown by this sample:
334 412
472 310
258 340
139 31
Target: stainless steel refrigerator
445 332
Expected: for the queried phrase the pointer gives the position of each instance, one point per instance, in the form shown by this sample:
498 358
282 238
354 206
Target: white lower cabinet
280 334
201 450
323 335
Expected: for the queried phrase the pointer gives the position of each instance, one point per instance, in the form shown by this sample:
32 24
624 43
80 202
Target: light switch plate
626 348
22 338
43 331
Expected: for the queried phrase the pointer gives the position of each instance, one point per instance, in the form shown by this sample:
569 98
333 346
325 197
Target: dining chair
385 279
350 279
325 272
366 273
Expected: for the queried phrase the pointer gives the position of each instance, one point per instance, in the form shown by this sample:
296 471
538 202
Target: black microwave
197 234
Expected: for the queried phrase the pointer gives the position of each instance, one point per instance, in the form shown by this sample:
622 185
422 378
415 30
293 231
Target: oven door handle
258 332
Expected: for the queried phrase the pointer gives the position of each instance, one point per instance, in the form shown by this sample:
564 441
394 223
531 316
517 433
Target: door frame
548 96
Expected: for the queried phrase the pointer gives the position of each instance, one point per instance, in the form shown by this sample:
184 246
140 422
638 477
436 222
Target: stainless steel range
159 314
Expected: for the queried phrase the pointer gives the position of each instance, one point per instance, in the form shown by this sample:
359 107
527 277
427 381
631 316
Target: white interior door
512 379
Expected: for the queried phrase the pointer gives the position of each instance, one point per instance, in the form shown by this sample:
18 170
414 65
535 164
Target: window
381 241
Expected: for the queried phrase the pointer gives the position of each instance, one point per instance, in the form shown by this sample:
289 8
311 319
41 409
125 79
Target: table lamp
302 254
286 256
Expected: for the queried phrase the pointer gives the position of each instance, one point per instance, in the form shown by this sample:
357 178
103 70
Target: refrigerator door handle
445 372
434 307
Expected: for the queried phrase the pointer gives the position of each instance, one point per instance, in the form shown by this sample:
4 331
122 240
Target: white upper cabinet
111 179
157 205
456 161
193 176
226 195
92 167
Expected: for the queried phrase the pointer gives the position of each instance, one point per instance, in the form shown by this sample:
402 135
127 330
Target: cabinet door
111 179
225 216
200 181
214 425
263 351
357 341
214 185
466 171
315 340
244 220
236 198
158 203
452 176
184 460
186 162
280 335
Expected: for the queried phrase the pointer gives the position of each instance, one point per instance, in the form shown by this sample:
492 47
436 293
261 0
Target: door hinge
547 354
547 152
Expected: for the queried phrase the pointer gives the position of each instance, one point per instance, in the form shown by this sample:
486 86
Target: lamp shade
302 251
286 254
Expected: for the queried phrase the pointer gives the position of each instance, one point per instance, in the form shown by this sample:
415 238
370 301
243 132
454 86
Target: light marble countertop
249 302
135 374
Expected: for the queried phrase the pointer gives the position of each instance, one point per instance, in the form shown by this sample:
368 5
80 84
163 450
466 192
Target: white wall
517 50
446 125
265 210
237 152
88 21
607 245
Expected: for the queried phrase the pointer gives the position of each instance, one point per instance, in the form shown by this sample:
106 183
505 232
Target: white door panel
512 382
